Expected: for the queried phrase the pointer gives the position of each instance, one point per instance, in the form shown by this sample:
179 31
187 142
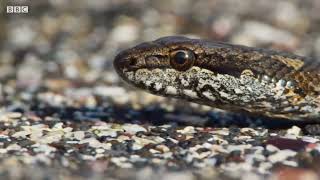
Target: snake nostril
133 62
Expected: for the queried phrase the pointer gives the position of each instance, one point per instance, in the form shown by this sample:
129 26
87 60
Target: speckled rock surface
66 114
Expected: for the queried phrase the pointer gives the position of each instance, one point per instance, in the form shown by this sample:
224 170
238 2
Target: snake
236 78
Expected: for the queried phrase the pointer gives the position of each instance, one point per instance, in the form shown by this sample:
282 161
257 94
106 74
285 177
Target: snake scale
235 78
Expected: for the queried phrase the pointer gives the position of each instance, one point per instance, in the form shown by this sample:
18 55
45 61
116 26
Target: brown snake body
231 77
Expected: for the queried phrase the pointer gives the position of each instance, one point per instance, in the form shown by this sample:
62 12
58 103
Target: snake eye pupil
182 59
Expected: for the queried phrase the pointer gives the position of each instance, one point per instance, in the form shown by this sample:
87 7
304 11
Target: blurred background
58 41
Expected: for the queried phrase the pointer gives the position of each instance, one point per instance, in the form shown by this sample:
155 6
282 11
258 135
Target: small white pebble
271 148
281 155
187 130
133 128
294 130
79 135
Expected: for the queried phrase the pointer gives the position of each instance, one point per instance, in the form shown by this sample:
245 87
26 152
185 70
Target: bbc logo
17 9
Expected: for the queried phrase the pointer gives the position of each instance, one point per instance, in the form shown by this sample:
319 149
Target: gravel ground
65 114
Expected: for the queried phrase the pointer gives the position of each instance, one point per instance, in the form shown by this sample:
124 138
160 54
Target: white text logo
17 9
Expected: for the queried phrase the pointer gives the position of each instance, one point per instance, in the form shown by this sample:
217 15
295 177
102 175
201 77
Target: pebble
14 115
43 148
281 155
79 135
187 130
285 143
95 143
287 173
133 128
288 16
254 32
125 32
178 176
295 131
14 147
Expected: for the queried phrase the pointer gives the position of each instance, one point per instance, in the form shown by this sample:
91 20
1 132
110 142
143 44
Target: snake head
157 66
180 67
168 52
221 75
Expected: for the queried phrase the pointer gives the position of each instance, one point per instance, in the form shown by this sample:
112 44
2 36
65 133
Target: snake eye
182 59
